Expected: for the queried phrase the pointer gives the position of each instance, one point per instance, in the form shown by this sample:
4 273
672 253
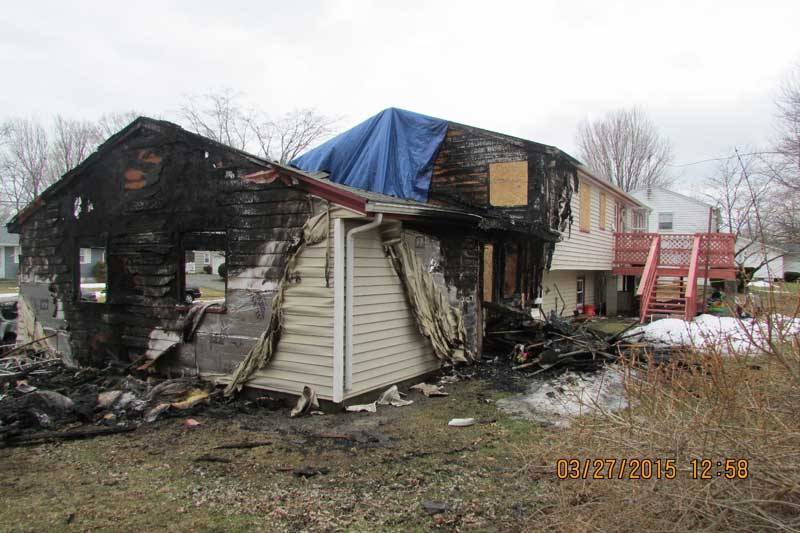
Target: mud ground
390 470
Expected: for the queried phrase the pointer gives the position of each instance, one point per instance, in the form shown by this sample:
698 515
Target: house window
580 293
602 210
586 207
665 222
85 256
203 272
16 255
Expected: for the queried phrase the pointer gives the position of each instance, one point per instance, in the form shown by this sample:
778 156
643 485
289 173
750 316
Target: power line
719 159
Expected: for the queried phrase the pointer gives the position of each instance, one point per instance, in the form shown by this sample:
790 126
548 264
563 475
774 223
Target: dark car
190 294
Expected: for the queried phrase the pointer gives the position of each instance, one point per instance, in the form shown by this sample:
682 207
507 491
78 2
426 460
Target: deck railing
716 250
649 276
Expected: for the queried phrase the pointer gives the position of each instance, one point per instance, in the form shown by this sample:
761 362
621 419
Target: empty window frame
91 270
203 273
665 222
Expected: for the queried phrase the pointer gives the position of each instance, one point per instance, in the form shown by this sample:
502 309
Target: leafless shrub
707 403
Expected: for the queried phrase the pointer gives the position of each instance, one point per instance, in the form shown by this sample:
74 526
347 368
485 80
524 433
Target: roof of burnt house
393 153
315 182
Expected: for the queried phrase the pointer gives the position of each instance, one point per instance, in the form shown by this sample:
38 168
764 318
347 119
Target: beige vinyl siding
592 250
387 345
567 283
304 355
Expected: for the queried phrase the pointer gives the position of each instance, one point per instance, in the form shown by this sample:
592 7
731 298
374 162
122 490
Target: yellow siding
387 346
586 251
566 281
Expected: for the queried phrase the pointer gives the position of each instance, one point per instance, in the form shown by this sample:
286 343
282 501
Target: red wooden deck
675 253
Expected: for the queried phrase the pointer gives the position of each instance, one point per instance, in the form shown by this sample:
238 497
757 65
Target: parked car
190 294
8 321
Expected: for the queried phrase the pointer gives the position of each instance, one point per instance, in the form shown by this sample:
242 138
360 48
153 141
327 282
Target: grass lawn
400 459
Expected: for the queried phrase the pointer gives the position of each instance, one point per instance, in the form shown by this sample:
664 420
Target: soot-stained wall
142 194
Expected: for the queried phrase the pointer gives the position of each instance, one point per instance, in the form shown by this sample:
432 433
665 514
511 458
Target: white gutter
348 357
338 310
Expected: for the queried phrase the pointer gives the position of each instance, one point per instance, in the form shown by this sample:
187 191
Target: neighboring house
372 276
88 259
580 274
791 261
203 258
9 254
766 261
672 212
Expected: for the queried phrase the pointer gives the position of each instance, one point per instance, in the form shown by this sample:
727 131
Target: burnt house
343 281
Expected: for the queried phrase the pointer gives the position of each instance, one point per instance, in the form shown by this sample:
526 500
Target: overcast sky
706 72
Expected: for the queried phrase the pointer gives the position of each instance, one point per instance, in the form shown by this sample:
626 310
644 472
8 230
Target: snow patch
729 335
558 399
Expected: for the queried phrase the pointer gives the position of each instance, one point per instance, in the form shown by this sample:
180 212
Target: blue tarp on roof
391 153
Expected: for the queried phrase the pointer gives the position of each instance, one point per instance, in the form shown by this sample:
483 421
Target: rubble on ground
38 392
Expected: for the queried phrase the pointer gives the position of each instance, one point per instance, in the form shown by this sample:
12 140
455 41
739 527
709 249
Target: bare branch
626 149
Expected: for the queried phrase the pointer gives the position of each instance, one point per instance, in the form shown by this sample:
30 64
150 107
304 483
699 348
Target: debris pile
538 346
39 395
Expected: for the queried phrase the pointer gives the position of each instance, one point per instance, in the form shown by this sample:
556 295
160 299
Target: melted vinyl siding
304 355
387 346
587 251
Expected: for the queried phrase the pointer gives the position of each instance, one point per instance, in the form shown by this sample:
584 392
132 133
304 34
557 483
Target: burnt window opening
203 270
91 269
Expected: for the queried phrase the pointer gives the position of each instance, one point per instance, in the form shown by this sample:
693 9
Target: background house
672 212
87 259
766 262
9 254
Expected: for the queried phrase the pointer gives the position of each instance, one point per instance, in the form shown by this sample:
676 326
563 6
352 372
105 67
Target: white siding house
768 261
580 273
672 212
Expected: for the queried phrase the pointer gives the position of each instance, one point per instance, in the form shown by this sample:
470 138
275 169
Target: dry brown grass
707 405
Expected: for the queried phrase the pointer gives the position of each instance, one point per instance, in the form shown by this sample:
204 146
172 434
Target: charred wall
140 197
522 236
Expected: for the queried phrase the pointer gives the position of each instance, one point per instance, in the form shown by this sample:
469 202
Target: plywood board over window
586 207
488 272
508 183
602 210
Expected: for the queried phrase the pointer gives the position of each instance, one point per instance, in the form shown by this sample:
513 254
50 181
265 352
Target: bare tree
24 162
625 148
110 123
788 143
224 117
72 142
219 116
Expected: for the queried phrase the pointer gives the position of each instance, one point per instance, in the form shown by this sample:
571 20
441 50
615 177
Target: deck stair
668 291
